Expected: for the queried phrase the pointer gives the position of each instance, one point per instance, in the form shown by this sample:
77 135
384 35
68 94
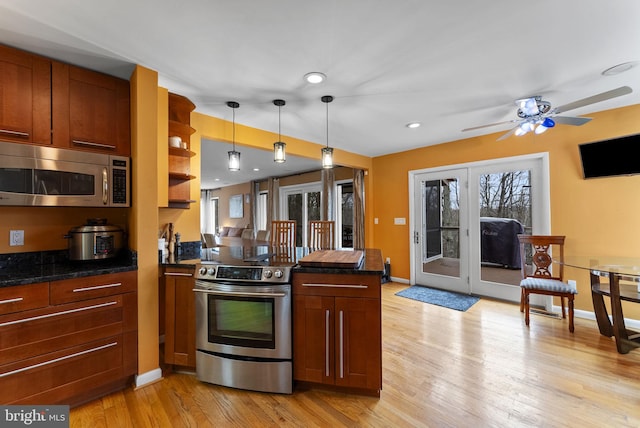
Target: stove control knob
202 271
211 271
278 273
267 274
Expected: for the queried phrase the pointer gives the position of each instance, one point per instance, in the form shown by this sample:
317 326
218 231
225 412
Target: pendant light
234 157
327 152
279 154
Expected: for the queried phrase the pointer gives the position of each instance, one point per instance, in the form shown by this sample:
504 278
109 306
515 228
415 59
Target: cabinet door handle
97 287
341 344
306 284
55 360
177 274
14 133
105 186
17 299
326 342
56 314
92 144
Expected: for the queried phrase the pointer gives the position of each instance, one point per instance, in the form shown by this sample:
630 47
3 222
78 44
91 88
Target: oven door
243 320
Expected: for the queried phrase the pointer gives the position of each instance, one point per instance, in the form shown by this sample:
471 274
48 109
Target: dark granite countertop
372 262
44 266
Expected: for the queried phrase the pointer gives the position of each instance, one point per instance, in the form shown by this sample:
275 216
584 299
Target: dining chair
283 233
210 240
538 278
247 234
262 235
321 235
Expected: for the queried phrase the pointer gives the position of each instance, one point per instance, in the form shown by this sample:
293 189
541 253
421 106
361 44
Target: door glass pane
346 207
505 212
295 207
441 227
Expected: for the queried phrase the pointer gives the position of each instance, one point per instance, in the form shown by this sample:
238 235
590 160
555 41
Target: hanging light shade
234 156
327 152
279 148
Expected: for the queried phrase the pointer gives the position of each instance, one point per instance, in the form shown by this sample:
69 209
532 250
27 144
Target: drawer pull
14 133
55 314
17 299
177 274
335 285
97 287
91 144
326 342
55 360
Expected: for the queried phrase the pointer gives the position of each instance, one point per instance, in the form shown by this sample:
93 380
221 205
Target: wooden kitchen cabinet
25 97
180 177
91 110
337 335
179 316
70 350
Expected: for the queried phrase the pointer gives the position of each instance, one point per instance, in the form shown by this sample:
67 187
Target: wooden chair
210 240
283 233
541 280
263 235
321 235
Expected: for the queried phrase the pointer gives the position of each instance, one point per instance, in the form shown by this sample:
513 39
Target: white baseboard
578 313
148 377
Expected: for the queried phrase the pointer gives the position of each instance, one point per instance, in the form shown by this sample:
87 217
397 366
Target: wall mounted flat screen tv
618 156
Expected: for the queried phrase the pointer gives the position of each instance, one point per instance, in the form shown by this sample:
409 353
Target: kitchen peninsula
335 311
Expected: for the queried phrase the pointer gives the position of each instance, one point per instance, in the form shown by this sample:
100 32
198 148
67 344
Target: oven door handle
239 293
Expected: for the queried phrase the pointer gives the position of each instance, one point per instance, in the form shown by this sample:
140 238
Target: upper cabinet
47 102
25 97
90 110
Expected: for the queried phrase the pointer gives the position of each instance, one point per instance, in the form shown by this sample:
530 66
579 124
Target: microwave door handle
105 185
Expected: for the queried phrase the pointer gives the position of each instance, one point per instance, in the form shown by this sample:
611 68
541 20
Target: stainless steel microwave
47 176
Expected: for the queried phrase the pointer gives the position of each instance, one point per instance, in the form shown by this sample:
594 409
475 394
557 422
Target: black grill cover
499 241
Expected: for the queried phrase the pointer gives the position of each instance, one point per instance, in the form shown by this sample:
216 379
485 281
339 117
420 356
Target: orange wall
598 216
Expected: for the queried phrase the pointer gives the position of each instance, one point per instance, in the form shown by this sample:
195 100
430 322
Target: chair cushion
547 284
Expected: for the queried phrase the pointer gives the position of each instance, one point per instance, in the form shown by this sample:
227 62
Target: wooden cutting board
332 259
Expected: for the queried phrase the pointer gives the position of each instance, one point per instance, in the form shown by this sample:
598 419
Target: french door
465 222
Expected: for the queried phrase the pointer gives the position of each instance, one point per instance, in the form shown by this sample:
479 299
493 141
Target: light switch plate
399 220
16 238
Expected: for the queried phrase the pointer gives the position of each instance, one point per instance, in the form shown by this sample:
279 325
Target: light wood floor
441 368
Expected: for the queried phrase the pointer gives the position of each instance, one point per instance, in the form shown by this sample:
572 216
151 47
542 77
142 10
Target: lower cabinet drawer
23 297
90 287
25 381
41 331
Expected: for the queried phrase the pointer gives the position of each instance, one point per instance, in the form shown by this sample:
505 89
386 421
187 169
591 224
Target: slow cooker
95 240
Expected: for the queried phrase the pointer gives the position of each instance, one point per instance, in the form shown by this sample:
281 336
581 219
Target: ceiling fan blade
486 126
567 120
508 134
623 90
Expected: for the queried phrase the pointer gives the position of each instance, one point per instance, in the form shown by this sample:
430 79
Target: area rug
447 299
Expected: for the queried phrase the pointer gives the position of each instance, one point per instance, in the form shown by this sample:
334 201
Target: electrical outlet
572 283
16 238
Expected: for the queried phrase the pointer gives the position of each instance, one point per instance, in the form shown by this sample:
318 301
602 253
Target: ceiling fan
536 114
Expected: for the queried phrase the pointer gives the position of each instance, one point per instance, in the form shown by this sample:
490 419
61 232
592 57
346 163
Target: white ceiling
449 65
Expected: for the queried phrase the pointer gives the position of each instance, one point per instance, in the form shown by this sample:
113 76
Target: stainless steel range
243 319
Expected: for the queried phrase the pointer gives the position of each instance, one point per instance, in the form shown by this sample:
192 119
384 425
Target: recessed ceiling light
620 68
413 125
216 179
315 77
256 169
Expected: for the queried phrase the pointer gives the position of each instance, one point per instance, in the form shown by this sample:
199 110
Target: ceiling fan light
549 123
